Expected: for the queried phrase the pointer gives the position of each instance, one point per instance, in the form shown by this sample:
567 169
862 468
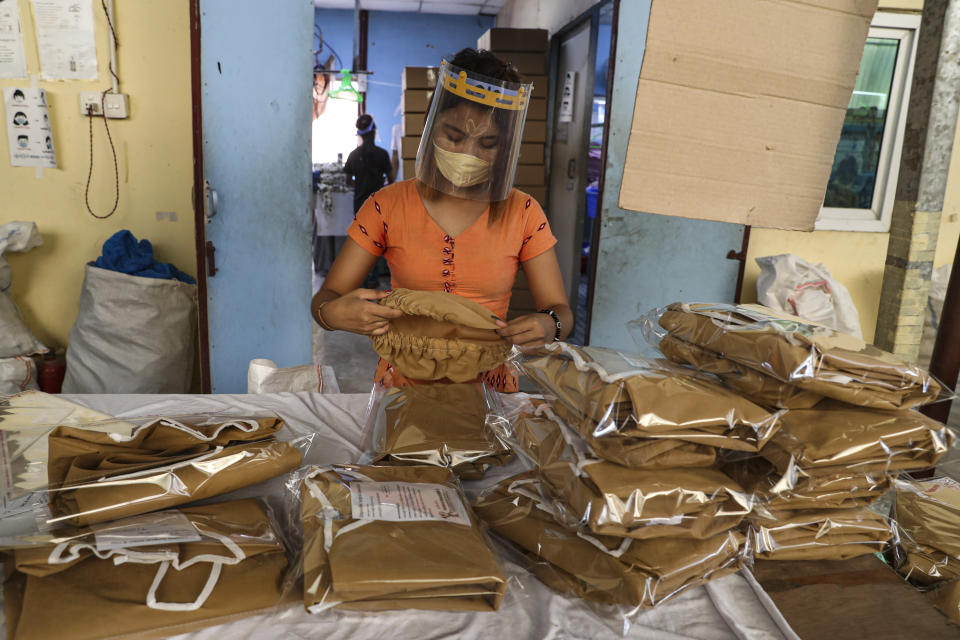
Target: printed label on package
168 527
406 501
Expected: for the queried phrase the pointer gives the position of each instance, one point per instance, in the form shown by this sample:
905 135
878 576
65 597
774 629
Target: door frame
199 199
593 15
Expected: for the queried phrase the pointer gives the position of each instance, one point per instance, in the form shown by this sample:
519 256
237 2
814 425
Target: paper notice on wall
65 40
28 127
13 63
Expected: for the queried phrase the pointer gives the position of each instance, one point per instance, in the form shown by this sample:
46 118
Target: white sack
16 236
264 376
132 335
15 338
791 284
17 374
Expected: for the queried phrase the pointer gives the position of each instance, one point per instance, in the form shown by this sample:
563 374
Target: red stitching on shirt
363 230
526 240
529 202
384 227
542 225
377 245
377 205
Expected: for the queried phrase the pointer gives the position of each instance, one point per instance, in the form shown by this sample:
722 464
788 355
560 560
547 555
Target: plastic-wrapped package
835 534
619 396
846 490
835 438
447 425
614 500
112 469
379 538
927 513
758 387
152 575
440 336
602 569
539 438
811 356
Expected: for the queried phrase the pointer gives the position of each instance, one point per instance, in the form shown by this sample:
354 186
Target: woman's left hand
533 329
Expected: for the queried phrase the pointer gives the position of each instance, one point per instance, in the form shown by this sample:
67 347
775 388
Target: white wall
551 15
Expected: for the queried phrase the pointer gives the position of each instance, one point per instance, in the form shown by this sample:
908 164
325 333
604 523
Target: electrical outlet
117 105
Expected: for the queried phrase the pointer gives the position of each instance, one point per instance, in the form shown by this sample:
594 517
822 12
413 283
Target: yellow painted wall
856 259
155 152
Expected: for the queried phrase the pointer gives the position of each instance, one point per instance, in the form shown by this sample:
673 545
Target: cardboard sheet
739 108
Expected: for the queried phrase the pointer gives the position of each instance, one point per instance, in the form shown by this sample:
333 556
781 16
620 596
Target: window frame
906 28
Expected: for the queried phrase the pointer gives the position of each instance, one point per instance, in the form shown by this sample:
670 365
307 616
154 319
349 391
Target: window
863 180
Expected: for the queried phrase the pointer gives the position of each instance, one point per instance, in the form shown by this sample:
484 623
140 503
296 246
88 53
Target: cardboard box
742 128
409 169
409 146
538 193
537 109
514 40
531 153
412 124
528 64
541 86
419 77
531 175
536 131
415 100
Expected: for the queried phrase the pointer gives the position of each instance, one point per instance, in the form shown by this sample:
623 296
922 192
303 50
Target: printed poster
13 63
28 127
65 40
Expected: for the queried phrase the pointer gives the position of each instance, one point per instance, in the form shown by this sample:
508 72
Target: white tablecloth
733 607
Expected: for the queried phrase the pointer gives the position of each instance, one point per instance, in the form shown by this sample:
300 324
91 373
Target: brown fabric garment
774 491
762 389
437 424
836 438
617 501
540 438
811 356
928 512
650 399
93 598
646 573
946 598
928 517
442 336
638 453
391 565
819 535
81 464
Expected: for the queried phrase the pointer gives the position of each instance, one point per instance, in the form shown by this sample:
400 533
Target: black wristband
556 320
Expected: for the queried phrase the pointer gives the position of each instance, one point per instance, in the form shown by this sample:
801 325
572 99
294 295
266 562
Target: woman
459 226
368 164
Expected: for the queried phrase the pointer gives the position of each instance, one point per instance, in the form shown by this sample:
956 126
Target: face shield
471 140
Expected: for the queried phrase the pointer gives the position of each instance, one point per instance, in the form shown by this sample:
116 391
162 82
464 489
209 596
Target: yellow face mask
461 169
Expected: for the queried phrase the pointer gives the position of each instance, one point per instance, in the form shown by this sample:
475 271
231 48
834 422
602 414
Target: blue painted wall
646 260
396 40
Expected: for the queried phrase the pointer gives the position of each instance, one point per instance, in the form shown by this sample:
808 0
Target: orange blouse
480 263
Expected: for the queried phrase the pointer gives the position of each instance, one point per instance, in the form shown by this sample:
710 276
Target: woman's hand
533 329
359 312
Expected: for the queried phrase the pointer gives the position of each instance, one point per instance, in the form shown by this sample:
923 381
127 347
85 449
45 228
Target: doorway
580 55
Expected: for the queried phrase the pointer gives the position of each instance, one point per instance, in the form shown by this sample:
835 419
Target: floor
351 356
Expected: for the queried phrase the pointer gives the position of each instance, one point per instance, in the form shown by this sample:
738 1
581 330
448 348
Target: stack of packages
527 50
417 85
927 513
847 431
17 343
625 506
399 534
120 549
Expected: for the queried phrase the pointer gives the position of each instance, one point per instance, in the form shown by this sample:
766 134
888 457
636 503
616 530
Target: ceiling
456 7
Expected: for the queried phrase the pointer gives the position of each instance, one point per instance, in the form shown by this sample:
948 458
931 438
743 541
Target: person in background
368 165
459 225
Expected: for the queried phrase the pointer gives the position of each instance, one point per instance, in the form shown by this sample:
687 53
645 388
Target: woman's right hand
359 312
